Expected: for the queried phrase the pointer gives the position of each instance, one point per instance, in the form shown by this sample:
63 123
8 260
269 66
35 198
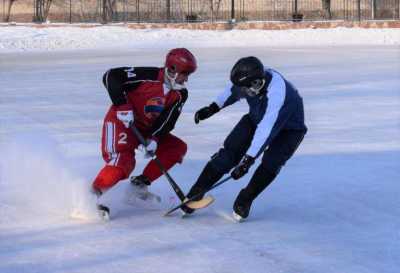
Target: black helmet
246 70
249 73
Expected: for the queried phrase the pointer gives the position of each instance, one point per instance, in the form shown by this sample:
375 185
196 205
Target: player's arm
224 99
165 123
122 80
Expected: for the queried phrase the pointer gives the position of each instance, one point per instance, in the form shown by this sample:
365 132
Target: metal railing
104 11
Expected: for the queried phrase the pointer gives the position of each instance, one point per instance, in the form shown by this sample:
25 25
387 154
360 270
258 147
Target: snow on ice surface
333 208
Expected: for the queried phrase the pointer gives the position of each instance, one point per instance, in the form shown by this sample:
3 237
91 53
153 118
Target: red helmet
180 60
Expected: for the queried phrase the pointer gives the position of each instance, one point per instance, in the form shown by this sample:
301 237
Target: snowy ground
20 38
334 207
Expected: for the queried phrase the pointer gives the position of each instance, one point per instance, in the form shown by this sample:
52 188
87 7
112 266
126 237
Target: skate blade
202 203
184 215
237 217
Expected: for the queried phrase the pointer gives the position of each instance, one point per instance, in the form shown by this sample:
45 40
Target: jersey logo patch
154 107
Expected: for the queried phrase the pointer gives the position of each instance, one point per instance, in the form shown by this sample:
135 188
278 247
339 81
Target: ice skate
138 192
241 207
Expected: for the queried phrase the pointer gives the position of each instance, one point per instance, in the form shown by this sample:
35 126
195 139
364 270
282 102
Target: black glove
206 112
243 167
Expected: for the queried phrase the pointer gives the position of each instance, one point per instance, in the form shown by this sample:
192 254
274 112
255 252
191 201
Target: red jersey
156 109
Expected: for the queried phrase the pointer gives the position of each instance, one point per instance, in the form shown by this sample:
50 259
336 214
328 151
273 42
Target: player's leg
170 151
274 158
235 146
118 144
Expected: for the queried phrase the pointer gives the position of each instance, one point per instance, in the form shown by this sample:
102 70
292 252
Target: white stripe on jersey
117 159
114 137
114 159
109 137
276 97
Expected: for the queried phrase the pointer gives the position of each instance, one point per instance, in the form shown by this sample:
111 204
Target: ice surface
334 207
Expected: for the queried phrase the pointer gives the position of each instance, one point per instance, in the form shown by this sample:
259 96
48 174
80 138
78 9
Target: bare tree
168 10
8 14
215 8
41 8
326 6
108 9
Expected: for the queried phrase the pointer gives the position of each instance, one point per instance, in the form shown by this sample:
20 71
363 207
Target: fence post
233 11
345 10
137 11
373 9
212 11
125 11
168 10
70 12
34 11
398 9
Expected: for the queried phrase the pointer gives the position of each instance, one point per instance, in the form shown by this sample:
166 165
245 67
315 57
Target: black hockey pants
275 156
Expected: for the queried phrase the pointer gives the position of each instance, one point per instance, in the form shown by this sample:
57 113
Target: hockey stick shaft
171 181
197 195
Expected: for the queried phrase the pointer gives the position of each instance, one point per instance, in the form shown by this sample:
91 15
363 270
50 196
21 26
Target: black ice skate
104 212
241 207
196 190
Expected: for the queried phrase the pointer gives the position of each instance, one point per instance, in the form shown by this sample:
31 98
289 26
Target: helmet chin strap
171 81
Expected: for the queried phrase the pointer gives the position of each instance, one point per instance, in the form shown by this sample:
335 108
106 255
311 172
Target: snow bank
22 38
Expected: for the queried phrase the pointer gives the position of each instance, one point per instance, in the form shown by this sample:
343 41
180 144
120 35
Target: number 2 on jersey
122 138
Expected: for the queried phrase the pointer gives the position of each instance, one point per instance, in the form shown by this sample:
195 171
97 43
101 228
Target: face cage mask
170 80
254 88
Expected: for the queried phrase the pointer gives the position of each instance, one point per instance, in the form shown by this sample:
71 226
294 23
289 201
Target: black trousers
275 156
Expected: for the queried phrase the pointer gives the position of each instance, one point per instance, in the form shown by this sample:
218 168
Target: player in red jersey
151 98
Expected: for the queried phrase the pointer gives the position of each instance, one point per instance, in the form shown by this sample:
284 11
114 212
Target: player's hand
243 167
125 115
206 112
150 149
